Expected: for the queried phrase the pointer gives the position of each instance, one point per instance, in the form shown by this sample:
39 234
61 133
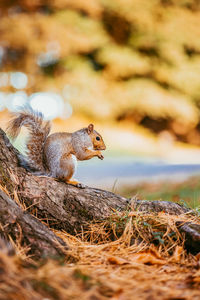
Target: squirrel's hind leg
67 170
75 183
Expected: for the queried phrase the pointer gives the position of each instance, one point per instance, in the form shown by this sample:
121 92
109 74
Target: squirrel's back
38 132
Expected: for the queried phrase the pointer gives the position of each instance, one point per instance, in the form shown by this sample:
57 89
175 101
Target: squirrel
55 155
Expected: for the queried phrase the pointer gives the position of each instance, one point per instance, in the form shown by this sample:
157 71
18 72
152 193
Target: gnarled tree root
67 207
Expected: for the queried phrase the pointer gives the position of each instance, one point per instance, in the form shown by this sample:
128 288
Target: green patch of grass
186 193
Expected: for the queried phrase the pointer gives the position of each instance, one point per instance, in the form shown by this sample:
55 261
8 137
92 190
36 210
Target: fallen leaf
198 256
118 295
114 260
197 276
176 257
148 257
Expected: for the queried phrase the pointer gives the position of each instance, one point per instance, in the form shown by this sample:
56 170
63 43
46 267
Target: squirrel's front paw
100 156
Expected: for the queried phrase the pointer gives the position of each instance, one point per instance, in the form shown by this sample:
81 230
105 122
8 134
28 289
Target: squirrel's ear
90 128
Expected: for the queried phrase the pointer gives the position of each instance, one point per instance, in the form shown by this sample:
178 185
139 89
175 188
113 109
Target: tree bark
191 234
29 231
67 207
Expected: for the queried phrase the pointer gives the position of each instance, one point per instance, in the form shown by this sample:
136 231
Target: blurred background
132 67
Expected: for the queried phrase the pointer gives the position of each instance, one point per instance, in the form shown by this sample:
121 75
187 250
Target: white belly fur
90 148
75 162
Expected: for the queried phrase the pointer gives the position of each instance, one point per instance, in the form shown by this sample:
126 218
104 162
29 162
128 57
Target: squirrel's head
96 138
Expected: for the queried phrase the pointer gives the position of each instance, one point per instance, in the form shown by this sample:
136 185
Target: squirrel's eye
98 138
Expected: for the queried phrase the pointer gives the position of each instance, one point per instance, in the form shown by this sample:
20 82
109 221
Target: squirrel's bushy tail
38 129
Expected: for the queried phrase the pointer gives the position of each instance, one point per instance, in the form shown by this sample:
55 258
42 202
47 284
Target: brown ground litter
130 256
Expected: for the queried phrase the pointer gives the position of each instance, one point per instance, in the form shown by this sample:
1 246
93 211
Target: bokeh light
15 101
51 105
18 80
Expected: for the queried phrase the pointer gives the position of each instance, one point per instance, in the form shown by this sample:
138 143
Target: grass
186 193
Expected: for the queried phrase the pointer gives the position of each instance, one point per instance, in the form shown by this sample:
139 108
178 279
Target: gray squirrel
56 154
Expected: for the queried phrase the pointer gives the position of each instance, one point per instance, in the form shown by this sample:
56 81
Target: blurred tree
112 58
